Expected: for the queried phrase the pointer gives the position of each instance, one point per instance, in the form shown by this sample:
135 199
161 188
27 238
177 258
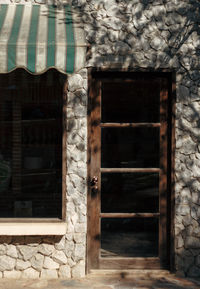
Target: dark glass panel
129 192
126 237
130 147
133 101
31 145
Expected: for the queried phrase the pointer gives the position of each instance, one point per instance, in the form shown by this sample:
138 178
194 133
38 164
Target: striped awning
39 37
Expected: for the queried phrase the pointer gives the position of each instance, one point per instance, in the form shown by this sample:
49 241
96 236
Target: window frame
114 71
20 226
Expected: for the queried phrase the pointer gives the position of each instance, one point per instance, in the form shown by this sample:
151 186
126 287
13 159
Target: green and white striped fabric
39 37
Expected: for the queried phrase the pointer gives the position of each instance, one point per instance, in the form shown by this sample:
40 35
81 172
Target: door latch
94 181
94 185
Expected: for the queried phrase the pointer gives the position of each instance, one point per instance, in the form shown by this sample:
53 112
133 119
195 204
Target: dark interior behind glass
31 145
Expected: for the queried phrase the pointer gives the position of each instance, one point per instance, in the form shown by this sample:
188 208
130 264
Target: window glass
131 101
126 237
31 145
130 192
130 147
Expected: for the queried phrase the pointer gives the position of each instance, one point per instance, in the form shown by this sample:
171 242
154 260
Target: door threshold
128 273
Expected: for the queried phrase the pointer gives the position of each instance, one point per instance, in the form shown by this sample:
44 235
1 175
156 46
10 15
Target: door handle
94 181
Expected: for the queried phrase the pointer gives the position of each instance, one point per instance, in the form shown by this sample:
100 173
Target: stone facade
55 256
136 34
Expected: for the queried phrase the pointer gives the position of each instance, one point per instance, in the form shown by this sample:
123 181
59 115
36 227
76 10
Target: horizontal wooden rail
130 263
129 215
113 124
130 170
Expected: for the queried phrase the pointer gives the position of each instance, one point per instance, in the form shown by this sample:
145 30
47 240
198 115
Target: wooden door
128 172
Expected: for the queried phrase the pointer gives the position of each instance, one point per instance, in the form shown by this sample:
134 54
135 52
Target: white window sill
30 229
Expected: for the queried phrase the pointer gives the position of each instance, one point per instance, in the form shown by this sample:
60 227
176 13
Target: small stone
157 43
79 237
12 251
180 241
188 146
30 273
183 93
64 271
84 73
186 220
50 264
194 213
75 82
74 218
183 210
22 265
46 249
69 237
61 244
192 242
27 252
37 262
59 257
195 252
12 274
80 228
121 48
2 249
197 261
71 262
79 252
49 274
78 271
194 272
7 263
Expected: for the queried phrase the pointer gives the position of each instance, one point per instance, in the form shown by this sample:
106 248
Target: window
31 138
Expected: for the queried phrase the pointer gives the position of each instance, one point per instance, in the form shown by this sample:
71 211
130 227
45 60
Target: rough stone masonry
151 34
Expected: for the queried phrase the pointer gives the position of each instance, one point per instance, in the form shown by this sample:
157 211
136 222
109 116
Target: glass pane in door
131 101
125 237
129 192
130 147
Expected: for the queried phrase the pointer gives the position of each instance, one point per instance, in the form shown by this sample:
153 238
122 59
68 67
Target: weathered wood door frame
165 259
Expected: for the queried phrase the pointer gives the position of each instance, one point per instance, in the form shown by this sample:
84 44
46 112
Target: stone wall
158 34
55 256
150 34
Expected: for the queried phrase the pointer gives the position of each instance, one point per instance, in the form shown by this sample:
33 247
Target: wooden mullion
129 215
16 145
163 171
112 124
171 156
130 170
130 263
94 141
64 148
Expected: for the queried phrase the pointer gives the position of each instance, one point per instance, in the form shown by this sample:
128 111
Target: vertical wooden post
64 150
16 145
